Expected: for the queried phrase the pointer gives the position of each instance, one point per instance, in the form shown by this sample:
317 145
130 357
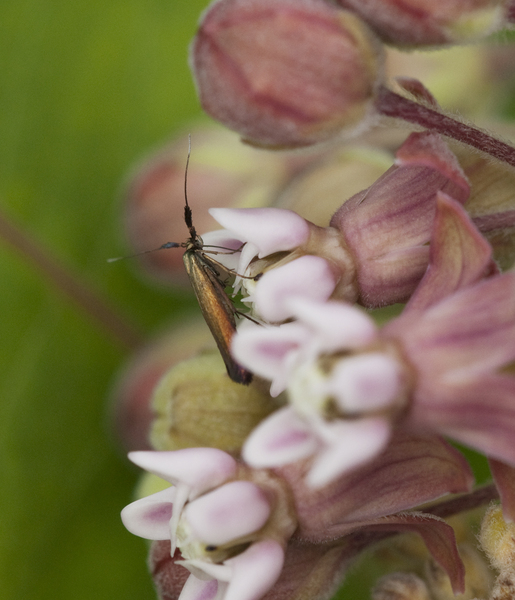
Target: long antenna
163 247
187 210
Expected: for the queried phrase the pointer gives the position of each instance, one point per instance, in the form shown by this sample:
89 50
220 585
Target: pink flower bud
430 22
285 72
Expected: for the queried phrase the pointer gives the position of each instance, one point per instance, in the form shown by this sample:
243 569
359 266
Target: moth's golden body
217 308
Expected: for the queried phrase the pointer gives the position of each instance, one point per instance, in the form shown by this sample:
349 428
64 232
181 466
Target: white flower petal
255 571
248 252
264 350
270 229
202 569
223 247
349 444
200 589
365 382
228 513
338 325
305 277
150 517
199 468
281 438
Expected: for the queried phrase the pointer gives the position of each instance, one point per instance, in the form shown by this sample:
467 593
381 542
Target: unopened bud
430 22
196 404
285 73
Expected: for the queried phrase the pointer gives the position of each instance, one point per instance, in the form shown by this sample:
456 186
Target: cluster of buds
341 438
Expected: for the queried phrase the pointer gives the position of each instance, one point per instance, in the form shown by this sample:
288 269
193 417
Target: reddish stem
390 104
48 266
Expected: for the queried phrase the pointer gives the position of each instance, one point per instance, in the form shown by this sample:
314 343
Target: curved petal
459 255
265 350
465 335
351 444
198 468
281 438
255 571
366 381
149 517
480 414
232 511
438 537
270 229
504 477
305 277
411 470
202 569
224 247
337 324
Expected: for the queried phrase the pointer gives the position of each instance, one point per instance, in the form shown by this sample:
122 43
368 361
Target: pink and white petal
255 571
504 477
438 537
348 445
198 468
248 252
264 350
149 517
270 229
202 569
230 512
223 247
337 325
365 382
281 438
480 414
459 255
309 277
200 589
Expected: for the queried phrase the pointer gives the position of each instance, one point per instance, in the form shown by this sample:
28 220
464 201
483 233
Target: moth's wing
217 309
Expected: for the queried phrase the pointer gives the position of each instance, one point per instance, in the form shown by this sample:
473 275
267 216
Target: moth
206 276
219 312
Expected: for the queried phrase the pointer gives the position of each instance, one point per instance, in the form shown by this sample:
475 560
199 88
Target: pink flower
230 531
376 250
236 537
434 368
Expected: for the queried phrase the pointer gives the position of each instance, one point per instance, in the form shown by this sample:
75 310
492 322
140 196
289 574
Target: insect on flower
208 279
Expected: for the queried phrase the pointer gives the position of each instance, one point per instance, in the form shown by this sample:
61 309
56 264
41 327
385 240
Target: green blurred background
86 88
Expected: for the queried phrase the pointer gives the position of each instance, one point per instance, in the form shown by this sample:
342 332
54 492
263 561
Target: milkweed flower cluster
347 421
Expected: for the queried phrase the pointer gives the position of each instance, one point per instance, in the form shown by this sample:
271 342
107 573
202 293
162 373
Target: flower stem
394 105
69 284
